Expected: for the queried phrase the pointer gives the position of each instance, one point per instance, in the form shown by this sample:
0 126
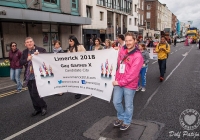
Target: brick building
174 23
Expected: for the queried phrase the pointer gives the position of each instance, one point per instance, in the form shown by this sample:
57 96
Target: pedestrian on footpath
143 71
15 67
58 49
75 46
163 49
129 64
39 104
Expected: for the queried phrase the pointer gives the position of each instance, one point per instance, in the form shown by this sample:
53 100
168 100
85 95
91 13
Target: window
148 15
148 25
148 7
142 5
135 8
88 12
142 20
51 1
109 3
51 5
101 2
135 21
74 7
101 16
130 20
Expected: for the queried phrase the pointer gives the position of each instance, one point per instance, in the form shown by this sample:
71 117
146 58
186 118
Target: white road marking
156 91
46 119
172 52
102 138
185 54
175 50
154 62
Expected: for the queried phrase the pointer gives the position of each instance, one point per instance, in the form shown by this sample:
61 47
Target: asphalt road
162 103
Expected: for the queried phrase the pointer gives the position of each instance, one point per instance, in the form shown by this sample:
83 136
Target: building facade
44 20
141 13
109 18
174 24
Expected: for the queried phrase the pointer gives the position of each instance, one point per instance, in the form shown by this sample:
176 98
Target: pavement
157 111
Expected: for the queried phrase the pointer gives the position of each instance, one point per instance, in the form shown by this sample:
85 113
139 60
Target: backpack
166 48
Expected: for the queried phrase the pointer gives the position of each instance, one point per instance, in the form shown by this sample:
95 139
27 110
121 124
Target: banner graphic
89 73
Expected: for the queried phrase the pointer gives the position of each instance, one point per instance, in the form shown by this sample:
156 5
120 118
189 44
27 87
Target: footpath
6 84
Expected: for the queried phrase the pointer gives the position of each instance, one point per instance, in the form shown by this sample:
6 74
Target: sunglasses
14 45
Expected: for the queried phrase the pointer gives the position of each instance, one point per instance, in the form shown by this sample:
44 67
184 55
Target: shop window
74 7
88 11
14 3
51 6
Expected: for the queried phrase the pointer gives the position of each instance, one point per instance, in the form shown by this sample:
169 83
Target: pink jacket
133 64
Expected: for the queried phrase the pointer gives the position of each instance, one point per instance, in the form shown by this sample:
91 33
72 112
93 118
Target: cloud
185 10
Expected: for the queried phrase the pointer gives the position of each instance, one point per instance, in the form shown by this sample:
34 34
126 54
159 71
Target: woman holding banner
57 49
75 46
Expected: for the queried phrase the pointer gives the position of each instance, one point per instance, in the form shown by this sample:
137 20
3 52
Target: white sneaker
139 88
143 89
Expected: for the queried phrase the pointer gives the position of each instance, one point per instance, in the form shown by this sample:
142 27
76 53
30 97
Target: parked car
178 40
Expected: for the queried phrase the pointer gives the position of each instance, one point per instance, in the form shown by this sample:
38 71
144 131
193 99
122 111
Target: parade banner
152 54
89 73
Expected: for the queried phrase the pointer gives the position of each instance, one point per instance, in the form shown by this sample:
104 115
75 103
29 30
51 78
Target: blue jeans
15 76
143 73
127 113
162 66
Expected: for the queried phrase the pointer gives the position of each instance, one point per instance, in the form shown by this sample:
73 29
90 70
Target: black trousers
162 66
38 103
174 43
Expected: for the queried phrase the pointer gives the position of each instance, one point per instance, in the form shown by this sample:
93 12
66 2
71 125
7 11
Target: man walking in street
38 103
174 41
163 49
129 64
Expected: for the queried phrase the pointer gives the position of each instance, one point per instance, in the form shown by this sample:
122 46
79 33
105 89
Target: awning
33 15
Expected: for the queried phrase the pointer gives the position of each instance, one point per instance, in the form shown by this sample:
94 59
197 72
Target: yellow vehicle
192 33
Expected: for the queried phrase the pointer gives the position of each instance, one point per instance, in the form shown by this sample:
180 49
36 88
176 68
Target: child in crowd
143 71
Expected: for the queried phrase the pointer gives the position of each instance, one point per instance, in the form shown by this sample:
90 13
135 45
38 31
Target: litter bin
5 71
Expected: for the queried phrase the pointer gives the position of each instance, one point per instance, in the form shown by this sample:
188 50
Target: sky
185 10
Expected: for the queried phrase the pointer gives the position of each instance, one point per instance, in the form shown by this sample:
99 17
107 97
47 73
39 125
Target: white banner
152 54
89 73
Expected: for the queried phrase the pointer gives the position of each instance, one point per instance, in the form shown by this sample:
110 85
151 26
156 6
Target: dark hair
164 37
131 34
143 46
76 43
121 37
12 43
99 39
56 41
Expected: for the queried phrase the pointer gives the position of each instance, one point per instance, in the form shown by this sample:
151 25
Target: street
69 118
